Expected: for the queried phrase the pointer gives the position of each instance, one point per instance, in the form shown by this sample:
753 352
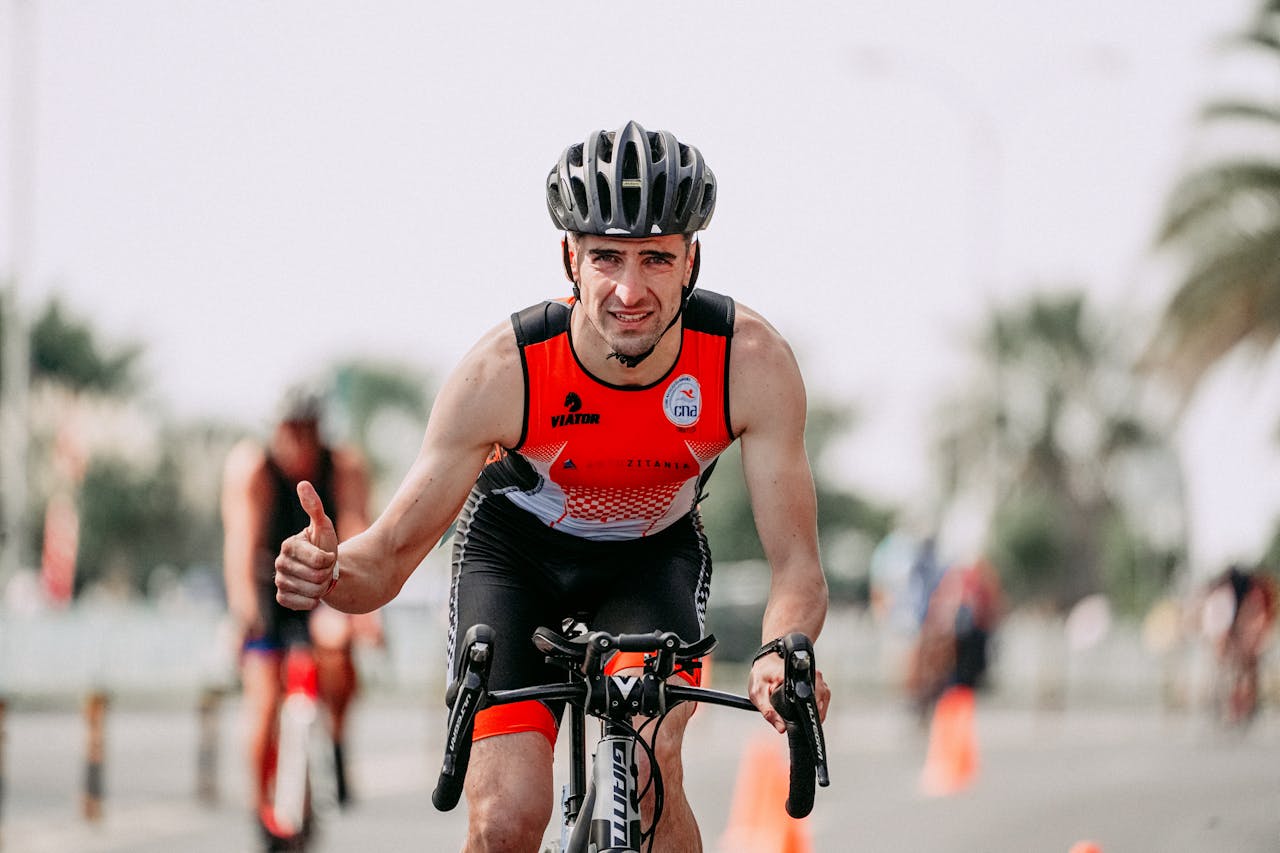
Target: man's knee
508 789
668 749
495 827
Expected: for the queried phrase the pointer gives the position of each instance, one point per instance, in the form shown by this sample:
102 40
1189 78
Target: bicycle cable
655 777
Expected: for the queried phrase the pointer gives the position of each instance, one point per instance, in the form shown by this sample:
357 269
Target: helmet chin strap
685 292
634 360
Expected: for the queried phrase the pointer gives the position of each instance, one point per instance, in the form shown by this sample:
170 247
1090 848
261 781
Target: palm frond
1214 194
1259 37
1229 109
1230 296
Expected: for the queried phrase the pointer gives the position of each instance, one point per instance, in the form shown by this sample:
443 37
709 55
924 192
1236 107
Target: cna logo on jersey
573 403
682 401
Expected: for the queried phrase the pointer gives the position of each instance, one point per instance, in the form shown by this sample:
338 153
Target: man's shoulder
542 321
765 377
752 333
245 469
710 312
246 456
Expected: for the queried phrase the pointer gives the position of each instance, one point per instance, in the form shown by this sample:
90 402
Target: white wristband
333 579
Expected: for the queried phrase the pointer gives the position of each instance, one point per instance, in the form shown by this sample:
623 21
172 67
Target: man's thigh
513 609
510 772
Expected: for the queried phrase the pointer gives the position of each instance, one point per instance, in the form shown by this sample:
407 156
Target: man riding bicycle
259 509
572 444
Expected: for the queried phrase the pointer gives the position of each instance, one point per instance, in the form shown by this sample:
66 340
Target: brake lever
800 686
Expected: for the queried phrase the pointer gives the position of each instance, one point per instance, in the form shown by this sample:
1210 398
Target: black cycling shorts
281 627
515 574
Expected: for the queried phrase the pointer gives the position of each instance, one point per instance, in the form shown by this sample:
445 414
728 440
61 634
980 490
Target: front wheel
1236 691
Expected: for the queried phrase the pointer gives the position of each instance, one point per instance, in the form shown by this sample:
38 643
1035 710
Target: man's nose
628 287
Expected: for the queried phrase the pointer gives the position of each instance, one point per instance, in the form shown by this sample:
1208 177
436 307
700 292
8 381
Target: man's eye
652 260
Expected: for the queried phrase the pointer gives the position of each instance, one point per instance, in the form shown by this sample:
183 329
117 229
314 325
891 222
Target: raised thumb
320 532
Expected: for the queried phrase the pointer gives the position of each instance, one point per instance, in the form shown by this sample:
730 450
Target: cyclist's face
630 288
295 446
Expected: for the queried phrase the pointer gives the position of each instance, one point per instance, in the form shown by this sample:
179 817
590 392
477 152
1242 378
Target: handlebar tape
801 790
797 704
477 656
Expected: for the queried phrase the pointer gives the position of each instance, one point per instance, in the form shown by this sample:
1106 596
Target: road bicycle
600 810
1235 686
303 784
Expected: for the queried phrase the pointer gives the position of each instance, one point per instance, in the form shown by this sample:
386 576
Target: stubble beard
639 343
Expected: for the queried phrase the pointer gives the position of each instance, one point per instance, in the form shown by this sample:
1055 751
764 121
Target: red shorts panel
529 716
630 660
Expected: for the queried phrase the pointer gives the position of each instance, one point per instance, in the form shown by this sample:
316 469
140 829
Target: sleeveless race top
287 515
611 462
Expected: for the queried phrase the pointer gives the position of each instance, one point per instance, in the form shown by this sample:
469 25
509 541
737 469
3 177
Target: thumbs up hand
307 563
320 532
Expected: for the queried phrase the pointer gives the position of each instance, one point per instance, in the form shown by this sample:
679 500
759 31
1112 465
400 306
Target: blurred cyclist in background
951 666
1238 614
962 613
259 509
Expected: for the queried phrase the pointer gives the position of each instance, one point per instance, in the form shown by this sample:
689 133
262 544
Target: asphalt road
1136 780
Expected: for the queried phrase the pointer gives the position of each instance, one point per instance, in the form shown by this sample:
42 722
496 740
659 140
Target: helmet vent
708 200
686 158
659 196
656 148
630 162
604 197
575 156
554 202
605 149
579 194
682 197
631 184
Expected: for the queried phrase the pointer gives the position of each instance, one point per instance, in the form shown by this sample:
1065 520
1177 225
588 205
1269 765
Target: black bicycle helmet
631 183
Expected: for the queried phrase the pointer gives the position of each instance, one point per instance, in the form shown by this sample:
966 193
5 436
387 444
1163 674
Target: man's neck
597 357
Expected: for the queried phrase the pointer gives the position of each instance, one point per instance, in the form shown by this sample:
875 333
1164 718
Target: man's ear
696 248
568 258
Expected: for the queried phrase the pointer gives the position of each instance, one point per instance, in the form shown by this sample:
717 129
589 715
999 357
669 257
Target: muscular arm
768 410
246 493
769 413
480 404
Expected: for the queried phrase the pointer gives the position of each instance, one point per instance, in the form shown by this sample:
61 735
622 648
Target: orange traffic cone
1085 847
952 761
758 819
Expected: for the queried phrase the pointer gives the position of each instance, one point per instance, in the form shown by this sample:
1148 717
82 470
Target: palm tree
381 408
1221 225
67 351
1056 436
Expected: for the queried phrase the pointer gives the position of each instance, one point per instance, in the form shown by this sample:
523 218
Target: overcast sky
256 188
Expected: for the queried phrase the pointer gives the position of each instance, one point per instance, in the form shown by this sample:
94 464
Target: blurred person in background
259 510
905 570
1238 613
963 608
951 665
